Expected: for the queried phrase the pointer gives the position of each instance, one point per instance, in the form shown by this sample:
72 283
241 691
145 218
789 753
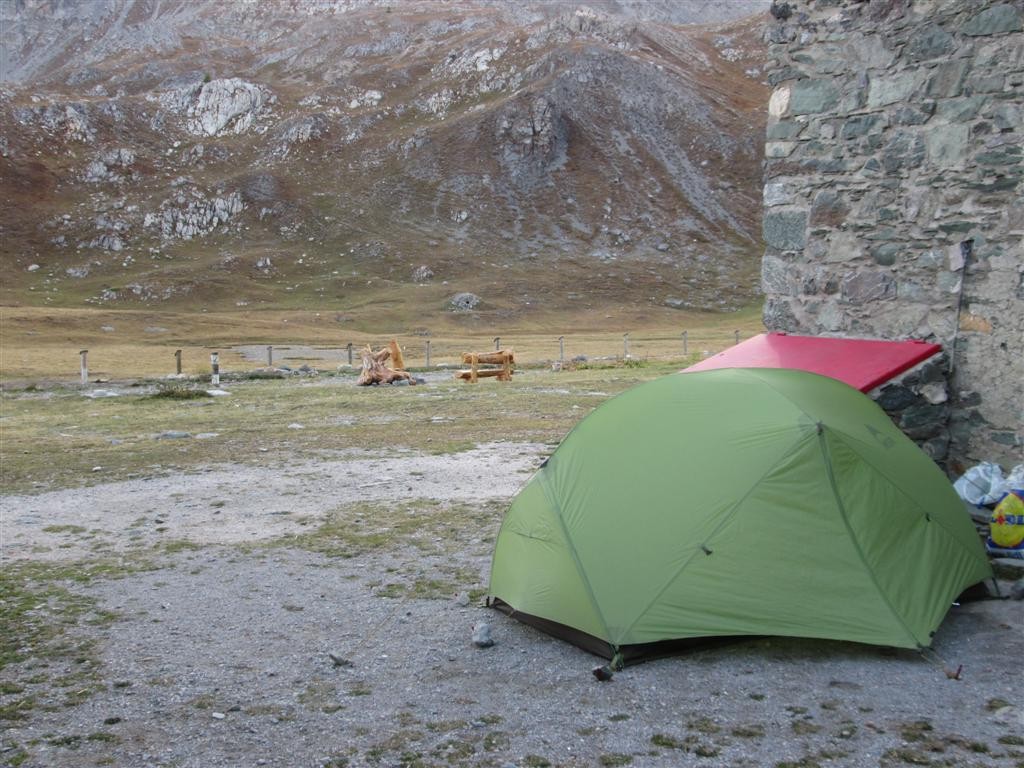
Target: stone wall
894 200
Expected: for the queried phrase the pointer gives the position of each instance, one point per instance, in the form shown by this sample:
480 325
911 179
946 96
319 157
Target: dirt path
244 503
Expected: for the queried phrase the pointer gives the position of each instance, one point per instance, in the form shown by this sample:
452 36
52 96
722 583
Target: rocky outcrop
530 138
110 167
894 193
216 107
69 122
190 214
297 130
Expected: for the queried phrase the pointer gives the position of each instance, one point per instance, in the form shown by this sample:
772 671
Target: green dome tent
735 502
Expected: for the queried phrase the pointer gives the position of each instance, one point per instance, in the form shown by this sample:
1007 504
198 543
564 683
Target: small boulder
482 635
464 302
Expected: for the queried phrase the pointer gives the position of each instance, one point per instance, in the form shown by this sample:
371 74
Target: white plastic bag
982 484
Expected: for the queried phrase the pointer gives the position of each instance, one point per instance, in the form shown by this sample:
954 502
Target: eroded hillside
362 157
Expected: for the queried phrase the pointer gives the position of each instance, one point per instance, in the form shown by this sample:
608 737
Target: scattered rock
422 274
482 635
1017 590
339 661
98 393
462 599
464 302
1009 568
173 434
217 715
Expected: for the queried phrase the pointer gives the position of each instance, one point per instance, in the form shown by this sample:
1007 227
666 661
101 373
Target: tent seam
827 457
840 435
732 513
557 508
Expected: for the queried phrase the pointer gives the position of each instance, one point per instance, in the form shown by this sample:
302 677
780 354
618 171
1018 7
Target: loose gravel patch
346 639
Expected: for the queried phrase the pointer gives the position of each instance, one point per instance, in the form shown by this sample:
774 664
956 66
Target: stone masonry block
786 230
813 96
993 21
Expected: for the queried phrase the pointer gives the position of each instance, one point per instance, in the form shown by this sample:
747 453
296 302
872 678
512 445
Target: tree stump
375 372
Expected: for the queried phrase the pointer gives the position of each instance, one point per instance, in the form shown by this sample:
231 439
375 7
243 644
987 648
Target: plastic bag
1006 527
981 485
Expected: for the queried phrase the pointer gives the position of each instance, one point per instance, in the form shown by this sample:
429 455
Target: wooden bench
504 359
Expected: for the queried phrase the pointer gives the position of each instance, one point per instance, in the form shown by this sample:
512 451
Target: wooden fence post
497 343
625 346
84 365
215 368
561 349
349 348
737 335
270 355
428 353
177 362
684 344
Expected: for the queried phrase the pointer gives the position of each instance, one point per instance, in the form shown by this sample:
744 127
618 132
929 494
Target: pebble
482 635
296 425
1017 590
217 392
218 715
99 393
97 469
462 599
173 434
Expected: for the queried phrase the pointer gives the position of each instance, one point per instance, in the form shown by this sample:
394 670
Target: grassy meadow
46 413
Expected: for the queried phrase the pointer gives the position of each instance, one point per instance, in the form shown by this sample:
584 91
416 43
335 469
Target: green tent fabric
736 502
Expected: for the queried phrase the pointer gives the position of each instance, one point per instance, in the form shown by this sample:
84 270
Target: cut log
482 373
396 355
490 358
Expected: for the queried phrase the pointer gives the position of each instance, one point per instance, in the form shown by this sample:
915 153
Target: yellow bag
1006 526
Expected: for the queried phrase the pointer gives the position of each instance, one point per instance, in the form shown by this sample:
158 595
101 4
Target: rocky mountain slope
368 156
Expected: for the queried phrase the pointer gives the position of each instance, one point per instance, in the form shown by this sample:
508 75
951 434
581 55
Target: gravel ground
221 656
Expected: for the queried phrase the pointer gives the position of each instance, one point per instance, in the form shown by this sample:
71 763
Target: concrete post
84 365
215 368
